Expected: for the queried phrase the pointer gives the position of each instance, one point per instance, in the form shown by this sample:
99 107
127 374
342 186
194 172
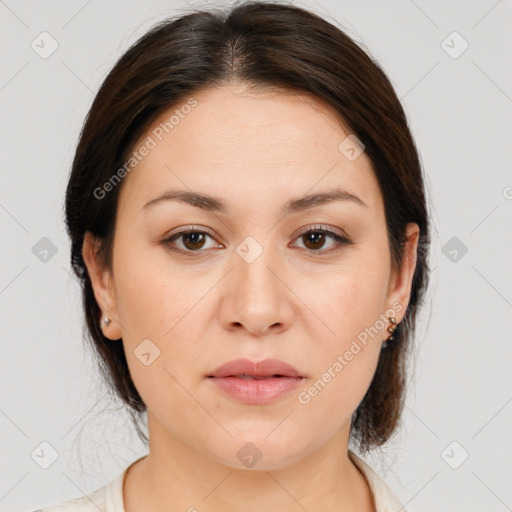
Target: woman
248 221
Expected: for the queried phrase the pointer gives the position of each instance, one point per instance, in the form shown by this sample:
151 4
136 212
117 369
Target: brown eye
192 240
195 240
315 239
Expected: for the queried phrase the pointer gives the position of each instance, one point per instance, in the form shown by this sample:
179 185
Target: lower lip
256 391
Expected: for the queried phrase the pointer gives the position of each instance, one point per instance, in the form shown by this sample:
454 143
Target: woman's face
263 275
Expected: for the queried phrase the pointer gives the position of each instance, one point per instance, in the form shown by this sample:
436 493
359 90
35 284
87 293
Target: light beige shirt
109 498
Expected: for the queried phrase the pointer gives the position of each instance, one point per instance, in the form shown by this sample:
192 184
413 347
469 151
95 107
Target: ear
400 282
103 287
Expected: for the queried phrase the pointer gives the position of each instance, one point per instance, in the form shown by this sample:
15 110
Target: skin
301 302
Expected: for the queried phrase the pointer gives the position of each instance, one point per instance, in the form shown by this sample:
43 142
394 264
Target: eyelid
310 227
322 227
191 228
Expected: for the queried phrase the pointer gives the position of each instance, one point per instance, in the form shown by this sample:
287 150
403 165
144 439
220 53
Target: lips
255 383
244 368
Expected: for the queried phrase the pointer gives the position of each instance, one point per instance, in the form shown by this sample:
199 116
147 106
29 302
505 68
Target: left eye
317 236
193 240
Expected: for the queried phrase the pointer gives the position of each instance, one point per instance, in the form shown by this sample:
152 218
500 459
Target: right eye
192 240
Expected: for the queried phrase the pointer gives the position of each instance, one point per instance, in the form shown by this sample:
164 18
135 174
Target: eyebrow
216 204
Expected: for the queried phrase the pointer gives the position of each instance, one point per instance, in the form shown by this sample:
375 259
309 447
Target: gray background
460 111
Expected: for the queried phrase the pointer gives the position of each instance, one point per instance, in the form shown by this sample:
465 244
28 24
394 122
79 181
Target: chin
261 453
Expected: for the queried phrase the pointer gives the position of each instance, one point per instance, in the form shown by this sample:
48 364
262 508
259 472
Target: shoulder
385 499
93 502
108 498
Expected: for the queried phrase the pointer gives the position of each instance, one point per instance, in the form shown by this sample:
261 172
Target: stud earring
391 329
107 321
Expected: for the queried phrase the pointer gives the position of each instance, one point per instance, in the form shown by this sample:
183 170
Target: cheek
344 376
158 321
348 304
348 350
151 299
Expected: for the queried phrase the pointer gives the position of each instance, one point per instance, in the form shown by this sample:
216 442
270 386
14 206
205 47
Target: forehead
242 144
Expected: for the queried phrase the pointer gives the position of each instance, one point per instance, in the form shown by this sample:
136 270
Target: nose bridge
257 265
257 296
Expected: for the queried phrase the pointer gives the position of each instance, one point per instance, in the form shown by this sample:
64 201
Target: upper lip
264 368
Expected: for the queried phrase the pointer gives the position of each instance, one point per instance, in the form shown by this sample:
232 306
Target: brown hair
263 45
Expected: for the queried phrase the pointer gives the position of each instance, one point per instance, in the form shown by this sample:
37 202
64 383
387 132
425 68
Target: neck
175 477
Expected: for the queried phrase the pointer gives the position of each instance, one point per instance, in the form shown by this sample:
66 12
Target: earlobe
102 284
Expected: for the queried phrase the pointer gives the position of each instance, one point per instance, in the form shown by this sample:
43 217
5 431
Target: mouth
256 377
255 383
246 369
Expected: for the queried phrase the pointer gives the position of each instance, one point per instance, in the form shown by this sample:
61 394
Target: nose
256 297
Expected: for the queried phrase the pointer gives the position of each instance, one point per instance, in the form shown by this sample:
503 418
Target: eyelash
340 239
